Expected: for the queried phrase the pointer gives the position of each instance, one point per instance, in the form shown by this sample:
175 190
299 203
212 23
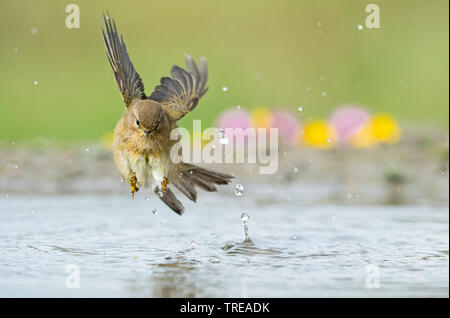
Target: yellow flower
261 118
364 138
385 128
380 128
106 140
319 134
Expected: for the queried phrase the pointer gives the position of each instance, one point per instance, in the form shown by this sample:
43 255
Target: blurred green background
265 53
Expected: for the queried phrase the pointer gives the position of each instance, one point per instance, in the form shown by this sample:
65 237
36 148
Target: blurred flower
319 134
106 140
261 118
385 128
196 139
287 125
348 120
235 119
380 128
364 137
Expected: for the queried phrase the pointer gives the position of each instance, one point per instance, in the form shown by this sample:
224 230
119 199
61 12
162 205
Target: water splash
244 219
239 190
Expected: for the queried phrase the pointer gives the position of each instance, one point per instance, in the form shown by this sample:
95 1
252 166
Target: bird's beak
147 133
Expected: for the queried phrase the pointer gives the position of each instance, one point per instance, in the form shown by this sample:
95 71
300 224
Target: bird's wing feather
128 80
180 93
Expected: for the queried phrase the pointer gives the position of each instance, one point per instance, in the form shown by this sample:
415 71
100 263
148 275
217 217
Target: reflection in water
176 279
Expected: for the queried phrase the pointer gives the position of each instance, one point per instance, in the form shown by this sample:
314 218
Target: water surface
122 248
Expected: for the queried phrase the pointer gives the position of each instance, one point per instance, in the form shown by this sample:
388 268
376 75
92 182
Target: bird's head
146 117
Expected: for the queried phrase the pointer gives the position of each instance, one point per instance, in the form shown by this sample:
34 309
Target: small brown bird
142 144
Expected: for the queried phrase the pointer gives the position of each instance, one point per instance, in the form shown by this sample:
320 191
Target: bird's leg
133 185
164 184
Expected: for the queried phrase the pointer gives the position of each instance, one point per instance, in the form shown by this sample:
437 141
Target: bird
141 145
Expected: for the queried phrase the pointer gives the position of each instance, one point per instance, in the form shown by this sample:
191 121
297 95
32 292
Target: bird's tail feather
206 179
172 202
190 176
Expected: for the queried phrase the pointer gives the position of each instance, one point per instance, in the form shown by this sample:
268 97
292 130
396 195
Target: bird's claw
164 184
133 185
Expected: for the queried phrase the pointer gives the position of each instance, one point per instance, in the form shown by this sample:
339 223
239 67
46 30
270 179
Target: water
121 248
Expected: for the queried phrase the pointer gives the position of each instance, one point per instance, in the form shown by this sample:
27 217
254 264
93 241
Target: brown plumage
142 144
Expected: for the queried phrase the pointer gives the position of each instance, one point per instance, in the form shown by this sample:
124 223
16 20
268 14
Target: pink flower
235 119
348 120
287 125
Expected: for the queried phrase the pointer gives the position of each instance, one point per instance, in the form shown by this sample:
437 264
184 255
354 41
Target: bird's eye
137 122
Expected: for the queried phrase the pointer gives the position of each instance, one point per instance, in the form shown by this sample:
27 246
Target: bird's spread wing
179 94
128 80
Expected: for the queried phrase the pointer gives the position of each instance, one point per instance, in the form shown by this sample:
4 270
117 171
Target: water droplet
32 211
155 211
180 174
238 106
329 140
223 138
244 219
87 149
160 193
35 82
34 31
319 23
7 195
300 108
147 198
239 189
296 169
224 88
308 88
360 27
324 93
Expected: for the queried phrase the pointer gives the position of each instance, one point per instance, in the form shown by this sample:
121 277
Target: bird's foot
164 184
133 185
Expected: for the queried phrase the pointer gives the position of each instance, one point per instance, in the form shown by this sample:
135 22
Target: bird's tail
189 177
